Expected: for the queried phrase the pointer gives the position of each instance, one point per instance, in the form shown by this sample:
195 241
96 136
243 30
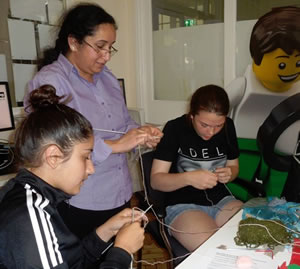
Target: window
169 14
253 9
184 50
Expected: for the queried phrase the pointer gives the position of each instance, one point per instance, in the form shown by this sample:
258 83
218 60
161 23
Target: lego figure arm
235 90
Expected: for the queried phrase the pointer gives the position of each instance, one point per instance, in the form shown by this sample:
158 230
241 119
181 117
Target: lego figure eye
282 65
298 64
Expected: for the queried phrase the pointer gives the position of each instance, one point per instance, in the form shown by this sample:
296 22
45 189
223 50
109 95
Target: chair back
280 129
276 166
154 197
155 228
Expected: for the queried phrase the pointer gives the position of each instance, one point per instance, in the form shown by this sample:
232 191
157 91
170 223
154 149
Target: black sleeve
93 246
168 146
116 258
233 148
2 266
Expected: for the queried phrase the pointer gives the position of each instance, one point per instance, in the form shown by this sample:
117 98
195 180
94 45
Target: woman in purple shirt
76 68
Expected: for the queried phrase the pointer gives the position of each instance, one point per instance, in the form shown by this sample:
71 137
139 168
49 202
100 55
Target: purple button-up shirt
102 103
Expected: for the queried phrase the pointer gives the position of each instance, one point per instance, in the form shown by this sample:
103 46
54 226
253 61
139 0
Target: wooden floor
151 252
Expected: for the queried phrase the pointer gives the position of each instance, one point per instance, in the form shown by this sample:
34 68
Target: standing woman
196 157
76 67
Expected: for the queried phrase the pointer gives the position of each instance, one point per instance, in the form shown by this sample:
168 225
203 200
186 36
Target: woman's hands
130 237
154 135
127 226
146 136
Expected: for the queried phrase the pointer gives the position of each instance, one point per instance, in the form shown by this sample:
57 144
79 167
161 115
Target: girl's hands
111 227
130 237
202 179
224 174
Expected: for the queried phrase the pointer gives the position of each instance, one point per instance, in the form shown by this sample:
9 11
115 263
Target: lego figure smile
278 71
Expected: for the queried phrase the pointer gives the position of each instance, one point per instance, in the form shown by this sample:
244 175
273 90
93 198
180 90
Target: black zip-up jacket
33 235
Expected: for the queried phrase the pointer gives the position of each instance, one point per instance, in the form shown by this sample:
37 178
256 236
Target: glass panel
253 9
188 38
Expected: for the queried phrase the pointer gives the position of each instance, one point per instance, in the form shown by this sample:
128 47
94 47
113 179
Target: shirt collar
54 195
66 64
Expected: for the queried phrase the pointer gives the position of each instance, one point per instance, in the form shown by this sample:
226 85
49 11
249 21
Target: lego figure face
278 70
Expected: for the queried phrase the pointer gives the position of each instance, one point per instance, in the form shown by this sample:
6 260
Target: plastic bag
273 208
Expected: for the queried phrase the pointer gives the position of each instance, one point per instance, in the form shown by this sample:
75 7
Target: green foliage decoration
253 233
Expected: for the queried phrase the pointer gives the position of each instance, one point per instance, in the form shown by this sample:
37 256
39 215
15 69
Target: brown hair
50 122
279 28
210 98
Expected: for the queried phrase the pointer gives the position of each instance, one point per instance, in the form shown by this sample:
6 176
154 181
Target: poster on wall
22 39
55 10
3 70
122 85
22 74
37 10
47 36
30 9
6 119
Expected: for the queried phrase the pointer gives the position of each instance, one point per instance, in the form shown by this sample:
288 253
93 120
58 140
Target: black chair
283 118
280 118
156 227
256 185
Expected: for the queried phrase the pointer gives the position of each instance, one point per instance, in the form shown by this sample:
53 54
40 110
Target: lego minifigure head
275 48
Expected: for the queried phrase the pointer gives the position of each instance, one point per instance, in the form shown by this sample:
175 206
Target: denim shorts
174 211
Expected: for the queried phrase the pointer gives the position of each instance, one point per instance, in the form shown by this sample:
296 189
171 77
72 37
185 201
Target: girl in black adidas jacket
53 145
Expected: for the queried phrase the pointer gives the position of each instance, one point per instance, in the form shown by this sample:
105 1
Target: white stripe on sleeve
46 228
36 228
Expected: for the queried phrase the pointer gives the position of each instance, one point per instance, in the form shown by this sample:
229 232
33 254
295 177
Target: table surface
225 236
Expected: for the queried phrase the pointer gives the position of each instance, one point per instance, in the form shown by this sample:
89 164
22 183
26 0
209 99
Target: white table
225 236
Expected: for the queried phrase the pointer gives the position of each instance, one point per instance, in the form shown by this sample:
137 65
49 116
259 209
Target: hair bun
43 96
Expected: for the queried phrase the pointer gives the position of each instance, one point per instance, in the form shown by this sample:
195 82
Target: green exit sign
189 22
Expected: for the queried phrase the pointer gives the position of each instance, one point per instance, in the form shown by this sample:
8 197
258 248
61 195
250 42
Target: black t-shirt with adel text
187 151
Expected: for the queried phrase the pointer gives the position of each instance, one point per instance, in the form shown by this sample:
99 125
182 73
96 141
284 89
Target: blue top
102 103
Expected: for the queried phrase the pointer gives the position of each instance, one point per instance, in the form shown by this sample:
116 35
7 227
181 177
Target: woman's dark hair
279 28
50 122
78 22
210 98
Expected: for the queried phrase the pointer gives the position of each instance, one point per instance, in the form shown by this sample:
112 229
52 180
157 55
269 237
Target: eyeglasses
102 50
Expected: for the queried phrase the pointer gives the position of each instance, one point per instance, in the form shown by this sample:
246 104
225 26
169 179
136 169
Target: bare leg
227 212
197 222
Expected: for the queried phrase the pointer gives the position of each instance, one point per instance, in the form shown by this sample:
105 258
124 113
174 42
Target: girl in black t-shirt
196 157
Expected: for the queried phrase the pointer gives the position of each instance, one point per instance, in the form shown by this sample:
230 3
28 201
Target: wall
4 44
123 64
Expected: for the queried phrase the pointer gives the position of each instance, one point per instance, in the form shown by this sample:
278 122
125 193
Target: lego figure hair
279 28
